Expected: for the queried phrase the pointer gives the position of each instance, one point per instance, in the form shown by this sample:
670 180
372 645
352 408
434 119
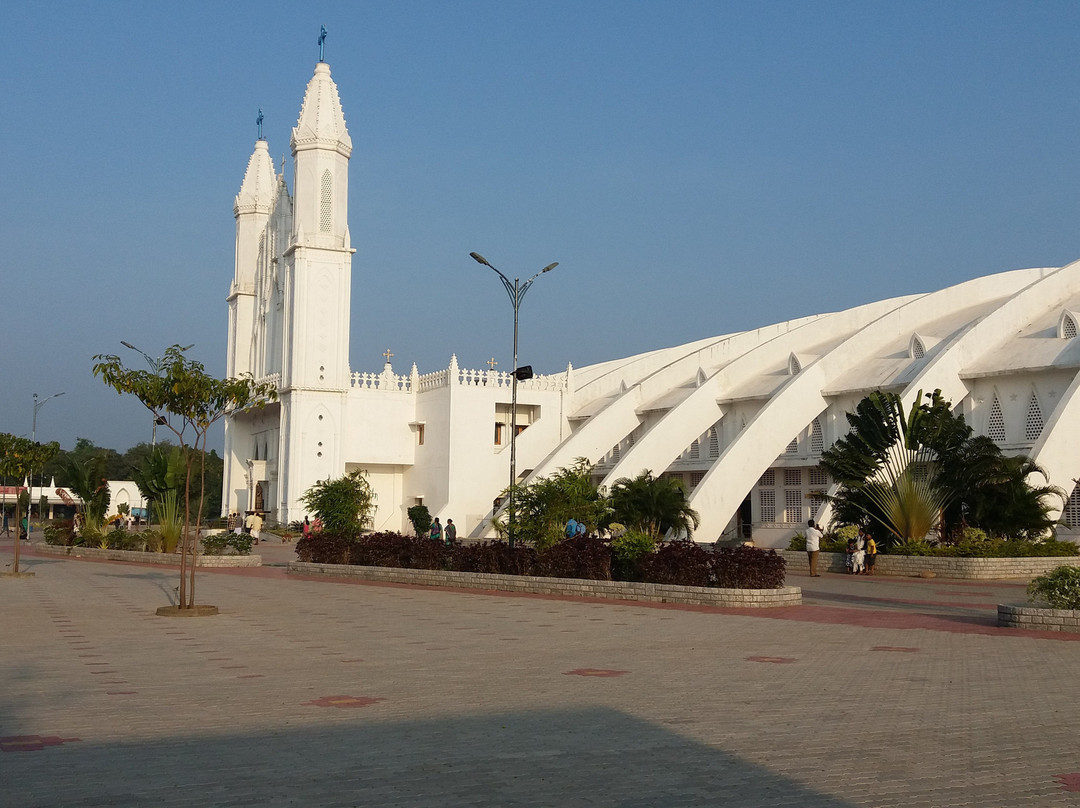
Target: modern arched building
742 417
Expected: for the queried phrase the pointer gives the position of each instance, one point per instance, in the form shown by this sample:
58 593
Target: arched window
794 365
714 443
918 350
995 425
817 439
1034 424
1067 328
326 203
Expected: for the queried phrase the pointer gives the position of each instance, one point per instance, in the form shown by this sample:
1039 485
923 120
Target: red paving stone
342 701
32 743
1068 782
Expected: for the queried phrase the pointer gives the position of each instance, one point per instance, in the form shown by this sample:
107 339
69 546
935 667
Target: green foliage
798 542
654 505
627 552
169 517
188 401
345 504
1060 588
226 543
905 474
420 517
89 483
545 505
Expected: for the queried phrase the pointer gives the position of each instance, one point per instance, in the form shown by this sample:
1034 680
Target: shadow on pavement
594 756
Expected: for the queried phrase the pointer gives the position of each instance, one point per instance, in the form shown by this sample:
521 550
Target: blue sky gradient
695 167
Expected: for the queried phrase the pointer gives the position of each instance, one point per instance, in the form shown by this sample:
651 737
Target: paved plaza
876 692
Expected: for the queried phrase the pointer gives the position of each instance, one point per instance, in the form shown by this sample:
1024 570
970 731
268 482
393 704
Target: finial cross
322 41
491 363
387 354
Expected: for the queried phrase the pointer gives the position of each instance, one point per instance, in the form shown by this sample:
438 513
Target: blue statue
258 122
322 41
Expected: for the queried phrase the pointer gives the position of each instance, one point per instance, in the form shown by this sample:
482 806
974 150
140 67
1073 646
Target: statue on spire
258 122
322 41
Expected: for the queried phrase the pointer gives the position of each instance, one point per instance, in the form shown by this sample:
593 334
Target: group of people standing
447 534
861 551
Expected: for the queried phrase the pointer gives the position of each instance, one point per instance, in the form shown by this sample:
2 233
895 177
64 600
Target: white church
742 418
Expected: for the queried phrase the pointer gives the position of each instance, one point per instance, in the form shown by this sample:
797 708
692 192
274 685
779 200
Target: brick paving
876 692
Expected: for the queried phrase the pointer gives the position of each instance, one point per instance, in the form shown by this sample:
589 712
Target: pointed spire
259 187
322 122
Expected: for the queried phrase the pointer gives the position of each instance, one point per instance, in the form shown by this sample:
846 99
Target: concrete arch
691 417
800 400
620 417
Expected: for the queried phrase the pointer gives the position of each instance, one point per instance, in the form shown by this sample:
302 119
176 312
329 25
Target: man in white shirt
813 545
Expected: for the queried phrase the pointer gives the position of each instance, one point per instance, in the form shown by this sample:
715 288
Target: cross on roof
387 354
491 363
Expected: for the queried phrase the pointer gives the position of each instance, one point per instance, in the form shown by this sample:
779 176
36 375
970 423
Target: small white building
742 418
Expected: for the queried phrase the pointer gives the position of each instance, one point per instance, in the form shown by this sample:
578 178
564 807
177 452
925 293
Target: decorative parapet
382 381
455 375
273 379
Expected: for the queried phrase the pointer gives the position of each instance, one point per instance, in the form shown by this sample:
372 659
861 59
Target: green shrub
217 544
60 533
1060 588
798 542
627 552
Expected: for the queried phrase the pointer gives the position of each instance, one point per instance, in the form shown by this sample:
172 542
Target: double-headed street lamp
516 291
33 437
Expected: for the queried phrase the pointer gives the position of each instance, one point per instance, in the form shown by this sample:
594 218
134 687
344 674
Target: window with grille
714 443
817 439
767 500
768 478
793 505
616 453
792 476
326 203
793 447
818 476
918 350
995 427
695 450
1072 508
794 365
1034 424
1068 327
696 477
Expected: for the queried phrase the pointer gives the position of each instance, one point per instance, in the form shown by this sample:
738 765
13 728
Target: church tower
317 290
252 209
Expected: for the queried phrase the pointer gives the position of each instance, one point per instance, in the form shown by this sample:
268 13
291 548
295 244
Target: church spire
258 189
322 122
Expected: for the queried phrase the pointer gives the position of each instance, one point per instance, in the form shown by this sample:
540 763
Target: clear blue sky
695 167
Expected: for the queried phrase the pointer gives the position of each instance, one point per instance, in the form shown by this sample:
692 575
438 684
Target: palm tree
655 506
908 473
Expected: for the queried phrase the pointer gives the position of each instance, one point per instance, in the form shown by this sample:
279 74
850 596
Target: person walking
306 527
436 530
813 546
451 532
256 525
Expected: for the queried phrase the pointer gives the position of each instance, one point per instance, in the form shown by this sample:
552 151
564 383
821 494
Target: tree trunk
185 603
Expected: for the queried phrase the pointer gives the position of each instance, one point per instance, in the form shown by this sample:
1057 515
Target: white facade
742 418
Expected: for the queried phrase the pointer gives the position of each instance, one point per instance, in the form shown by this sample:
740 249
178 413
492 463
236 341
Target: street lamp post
33 437
516 291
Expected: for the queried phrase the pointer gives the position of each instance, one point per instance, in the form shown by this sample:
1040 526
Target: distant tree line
126 466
